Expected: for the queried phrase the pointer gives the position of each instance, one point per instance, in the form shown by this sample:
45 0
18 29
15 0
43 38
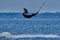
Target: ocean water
44 26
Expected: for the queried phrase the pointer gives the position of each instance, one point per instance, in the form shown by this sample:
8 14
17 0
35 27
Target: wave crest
9 35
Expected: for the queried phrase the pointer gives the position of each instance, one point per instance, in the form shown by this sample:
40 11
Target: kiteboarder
25 14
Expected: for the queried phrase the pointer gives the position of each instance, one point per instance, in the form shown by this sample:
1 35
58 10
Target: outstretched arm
35 13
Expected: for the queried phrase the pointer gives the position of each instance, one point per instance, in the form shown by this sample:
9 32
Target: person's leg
25 10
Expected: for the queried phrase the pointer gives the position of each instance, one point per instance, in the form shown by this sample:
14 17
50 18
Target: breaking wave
9 35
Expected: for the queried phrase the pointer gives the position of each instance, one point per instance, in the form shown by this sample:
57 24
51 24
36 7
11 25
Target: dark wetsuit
28 16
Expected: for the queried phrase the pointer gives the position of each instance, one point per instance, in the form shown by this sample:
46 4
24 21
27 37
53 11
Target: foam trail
9 35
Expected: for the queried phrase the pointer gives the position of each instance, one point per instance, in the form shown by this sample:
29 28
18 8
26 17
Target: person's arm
37 12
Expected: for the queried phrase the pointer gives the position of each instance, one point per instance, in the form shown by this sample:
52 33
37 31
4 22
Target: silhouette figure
25 14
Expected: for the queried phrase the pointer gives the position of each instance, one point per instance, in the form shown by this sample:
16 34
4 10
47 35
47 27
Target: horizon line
29 19
39 12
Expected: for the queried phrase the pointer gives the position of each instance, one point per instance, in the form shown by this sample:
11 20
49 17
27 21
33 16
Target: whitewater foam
9 35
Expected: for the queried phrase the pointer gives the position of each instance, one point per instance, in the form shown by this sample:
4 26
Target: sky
31 5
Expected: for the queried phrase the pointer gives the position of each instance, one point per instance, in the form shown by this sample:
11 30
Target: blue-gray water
43 23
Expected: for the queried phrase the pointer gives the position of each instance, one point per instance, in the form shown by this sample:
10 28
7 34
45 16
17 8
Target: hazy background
31 5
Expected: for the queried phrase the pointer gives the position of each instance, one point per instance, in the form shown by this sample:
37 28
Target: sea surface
43 26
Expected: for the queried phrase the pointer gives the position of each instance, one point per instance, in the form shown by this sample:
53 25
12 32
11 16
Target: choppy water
41 27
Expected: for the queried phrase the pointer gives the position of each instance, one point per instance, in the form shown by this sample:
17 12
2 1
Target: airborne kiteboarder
25 14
